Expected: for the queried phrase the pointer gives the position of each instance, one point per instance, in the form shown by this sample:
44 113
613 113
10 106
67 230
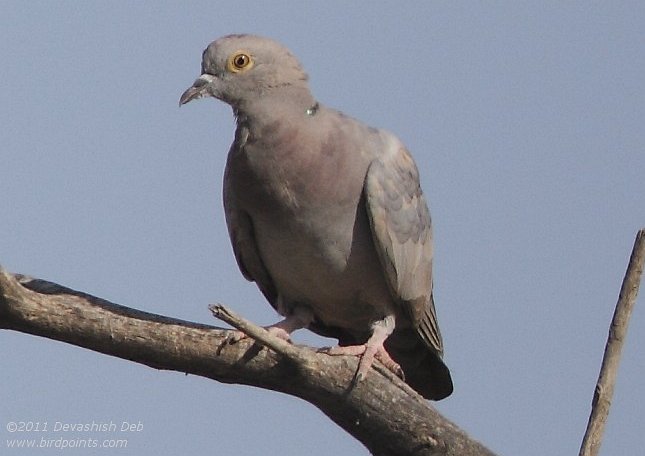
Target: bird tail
422 366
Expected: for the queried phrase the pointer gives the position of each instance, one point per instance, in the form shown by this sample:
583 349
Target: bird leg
299 318
372 349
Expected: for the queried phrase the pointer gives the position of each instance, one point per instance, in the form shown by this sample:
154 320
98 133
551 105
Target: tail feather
423 367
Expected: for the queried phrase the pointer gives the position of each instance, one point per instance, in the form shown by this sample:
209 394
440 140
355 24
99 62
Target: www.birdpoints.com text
70 434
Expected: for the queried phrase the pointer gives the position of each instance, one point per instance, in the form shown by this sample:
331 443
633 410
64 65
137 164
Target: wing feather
402 232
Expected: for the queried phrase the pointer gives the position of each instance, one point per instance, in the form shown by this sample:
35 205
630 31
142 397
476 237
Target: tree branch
381 411
617 332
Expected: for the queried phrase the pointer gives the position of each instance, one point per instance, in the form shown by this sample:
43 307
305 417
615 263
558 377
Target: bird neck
277 103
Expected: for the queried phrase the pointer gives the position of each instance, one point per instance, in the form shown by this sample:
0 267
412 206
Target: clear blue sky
527 123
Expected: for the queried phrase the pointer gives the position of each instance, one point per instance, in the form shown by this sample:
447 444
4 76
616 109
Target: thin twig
617 332
257 333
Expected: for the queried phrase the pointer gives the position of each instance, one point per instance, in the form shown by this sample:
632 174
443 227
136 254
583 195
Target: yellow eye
239 61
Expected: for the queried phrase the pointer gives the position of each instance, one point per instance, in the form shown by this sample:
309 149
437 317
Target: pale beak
199 89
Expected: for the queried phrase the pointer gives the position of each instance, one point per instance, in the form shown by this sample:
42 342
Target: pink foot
367 353
372 349
299 318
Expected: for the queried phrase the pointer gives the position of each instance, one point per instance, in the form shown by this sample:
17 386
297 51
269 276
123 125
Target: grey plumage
325 214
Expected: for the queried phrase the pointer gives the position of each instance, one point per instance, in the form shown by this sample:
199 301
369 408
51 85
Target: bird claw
235 336
367 355
390 364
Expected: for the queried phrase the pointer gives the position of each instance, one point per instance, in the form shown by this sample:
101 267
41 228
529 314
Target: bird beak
200 88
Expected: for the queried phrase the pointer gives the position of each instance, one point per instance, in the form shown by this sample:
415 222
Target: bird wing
402 233
247 255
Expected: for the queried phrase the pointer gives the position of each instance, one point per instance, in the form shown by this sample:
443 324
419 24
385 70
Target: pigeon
326 215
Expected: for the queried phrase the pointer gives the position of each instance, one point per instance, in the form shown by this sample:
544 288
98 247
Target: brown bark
381 411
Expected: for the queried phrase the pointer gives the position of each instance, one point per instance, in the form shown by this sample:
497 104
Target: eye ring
239 61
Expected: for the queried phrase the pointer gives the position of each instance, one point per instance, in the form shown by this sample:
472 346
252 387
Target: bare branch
617 332
381 411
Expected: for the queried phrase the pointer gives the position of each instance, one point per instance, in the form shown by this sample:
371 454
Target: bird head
240 68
